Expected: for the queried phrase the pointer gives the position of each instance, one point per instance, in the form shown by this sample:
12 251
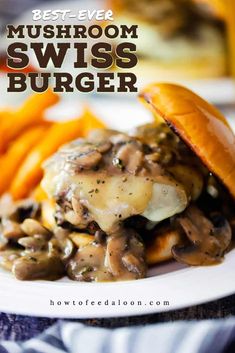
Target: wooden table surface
15 327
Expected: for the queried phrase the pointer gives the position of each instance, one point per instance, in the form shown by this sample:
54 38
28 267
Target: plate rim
47 290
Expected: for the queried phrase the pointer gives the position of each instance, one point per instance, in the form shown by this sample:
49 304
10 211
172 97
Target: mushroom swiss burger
165 190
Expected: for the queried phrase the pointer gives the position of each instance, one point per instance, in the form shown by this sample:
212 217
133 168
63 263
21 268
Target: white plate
179 285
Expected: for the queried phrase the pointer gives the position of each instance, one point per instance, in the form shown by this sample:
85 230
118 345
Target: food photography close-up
117 176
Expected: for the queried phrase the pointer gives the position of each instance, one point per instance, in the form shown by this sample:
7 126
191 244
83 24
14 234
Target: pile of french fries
27 139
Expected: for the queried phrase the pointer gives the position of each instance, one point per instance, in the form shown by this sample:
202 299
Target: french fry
91 122
30 114
12 159
30 172
5 114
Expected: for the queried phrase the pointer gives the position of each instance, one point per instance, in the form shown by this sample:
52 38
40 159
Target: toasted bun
200 125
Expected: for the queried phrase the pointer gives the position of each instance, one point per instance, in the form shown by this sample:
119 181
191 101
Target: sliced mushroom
32 227
113 259
208 239
73 218
132 263
33 243
78 215
62 248
103 147
89 159
11 230
131 156
38 266
84 155
125 255
88 264
134 259
122 258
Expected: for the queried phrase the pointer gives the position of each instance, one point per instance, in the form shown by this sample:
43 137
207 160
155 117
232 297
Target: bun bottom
159 250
